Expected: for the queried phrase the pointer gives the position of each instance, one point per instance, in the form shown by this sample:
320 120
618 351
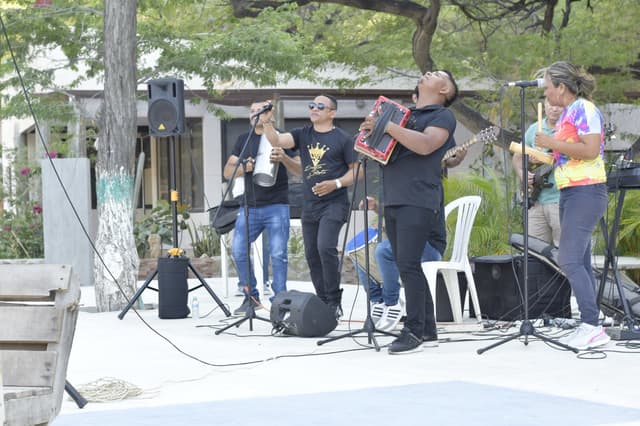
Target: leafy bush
497 216
21 232
21 224
204 240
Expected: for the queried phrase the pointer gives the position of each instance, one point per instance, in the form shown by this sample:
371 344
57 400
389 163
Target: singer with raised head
578 148
544 196
412 191
268 206
328 160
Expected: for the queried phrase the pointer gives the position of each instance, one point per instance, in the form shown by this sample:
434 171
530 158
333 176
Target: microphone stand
250 314
526 328
368 327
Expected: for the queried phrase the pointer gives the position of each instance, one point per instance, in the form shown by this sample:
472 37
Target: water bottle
195 308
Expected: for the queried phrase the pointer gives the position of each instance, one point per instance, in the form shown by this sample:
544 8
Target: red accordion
379 145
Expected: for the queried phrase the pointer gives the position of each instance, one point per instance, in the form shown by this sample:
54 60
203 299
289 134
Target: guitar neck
453 151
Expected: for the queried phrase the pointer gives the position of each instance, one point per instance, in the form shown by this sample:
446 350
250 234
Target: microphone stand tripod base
526 330
249 315
368 327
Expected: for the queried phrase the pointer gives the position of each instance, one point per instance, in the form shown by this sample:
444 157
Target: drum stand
368 327
526 328
250 314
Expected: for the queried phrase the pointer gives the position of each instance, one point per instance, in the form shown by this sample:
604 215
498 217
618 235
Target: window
189 166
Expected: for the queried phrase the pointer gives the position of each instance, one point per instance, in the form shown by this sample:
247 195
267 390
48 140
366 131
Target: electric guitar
490 134
540 182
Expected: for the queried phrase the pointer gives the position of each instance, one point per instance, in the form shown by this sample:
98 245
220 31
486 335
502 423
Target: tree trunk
116 151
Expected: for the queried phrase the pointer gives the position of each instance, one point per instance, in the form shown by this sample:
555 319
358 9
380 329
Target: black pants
320 231
408 228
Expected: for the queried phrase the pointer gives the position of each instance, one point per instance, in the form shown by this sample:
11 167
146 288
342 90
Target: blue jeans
275 219
389 290
581 207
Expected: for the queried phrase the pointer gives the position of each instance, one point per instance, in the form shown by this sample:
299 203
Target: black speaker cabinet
501 294
173 290
301 314
443 304
166 107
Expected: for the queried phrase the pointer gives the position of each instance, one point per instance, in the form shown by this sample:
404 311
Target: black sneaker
337 311
429 341
405 344
242 309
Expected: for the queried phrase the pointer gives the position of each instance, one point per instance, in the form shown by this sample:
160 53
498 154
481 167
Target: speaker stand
526 328
175 252
369 327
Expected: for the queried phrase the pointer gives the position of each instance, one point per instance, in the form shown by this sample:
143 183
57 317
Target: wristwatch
338 184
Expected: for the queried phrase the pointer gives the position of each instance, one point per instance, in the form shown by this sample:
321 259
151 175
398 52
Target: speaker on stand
166 119
166 107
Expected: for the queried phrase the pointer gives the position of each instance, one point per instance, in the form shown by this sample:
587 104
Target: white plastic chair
459 262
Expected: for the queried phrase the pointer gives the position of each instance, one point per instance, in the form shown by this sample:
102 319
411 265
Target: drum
355 248
265 172
379 145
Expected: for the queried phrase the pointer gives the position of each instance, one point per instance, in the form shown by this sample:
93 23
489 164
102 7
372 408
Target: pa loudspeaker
501 292
166 107
301 314
172 287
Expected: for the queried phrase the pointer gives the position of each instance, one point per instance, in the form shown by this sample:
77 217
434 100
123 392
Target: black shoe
242 310
429 341
405 344
337 311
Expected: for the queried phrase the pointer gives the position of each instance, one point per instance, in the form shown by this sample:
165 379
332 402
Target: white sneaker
390 317
586 336
239 291
377 310
266 289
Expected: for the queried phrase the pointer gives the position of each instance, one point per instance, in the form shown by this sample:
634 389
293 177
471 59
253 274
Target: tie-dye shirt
580 118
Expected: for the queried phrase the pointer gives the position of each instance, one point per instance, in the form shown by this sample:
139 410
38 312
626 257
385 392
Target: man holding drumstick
544 218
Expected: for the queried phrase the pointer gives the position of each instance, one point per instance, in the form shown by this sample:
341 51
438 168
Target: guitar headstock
490 134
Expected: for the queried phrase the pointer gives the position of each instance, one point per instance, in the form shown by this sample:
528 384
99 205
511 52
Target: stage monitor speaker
443 304
166 107
301 314
501 295
173 288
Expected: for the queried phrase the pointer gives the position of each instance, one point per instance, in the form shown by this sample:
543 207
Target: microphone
526 83
267 107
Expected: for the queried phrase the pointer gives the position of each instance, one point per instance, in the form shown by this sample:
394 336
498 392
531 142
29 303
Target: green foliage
204 240
21 232
159 221
496 219
21 223
296 243
628 238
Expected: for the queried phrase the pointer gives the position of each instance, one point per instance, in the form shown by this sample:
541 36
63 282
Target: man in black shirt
268 209
413 197
327 169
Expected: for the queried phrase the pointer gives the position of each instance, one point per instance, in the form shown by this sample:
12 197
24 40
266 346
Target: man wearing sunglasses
327 159
268 210
413 195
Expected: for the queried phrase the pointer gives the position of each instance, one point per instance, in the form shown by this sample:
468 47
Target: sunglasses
318 105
